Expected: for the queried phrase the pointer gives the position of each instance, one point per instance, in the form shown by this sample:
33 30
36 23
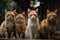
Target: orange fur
4 23
20 25
48 25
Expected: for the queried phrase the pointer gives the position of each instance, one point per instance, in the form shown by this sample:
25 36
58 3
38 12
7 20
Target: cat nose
18 20
33 17
52 18
9 17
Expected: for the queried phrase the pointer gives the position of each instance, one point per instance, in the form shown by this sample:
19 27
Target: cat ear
55 11
48 11
29 10
36 10
6 10
23 13
15 12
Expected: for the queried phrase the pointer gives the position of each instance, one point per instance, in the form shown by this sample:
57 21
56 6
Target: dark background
25 4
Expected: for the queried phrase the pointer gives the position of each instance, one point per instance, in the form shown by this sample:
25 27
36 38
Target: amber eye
35 15
30 15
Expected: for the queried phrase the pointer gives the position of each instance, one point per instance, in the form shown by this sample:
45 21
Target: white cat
33 24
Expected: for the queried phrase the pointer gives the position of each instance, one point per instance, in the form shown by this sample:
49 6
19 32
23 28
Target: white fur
30 28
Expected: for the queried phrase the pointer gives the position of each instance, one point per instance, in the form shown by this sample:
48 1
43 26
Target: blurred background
25 4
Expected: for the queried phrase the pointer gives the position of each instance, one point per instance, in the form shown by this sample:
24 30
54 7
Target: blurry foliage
5 4
2 7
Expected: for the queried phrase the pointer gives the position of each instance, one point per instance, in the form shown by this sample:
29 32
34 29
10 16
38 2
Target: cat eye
12 15
17 18
50 16
53 15
30 15
35 15
7 15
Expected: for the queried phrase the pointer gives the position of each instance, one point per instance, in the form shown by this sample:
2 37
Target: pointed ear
15 12
6 10
36 10
29 10
55 11
23 13
48 11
